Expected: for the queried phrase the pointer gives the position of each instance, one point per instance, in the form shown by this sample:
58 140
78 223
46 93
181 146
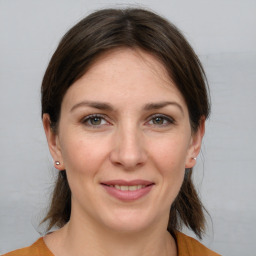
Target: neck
86 238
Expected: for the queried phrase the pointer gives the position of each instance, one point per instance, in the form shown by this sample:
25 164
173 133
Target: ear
53 143
195 144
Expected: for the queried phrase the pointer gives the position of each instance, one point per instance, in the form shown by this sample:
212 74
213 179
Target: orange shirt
187 246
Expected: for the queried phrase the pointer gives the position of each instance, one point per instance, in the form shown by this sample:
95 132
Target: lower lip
127 195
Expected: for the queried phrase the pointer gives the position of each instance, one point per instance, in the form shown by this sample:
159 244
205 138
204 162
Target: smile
128 190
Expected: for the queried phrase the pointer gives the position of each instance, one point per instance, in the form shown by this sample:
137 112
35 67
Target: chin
129 221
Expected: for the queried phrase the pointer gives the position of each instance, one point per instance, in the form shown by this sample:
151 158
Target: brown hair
134 28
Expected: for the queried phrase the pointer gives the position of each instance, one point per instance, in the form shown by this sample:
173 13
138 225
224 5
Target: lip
127 195
127 183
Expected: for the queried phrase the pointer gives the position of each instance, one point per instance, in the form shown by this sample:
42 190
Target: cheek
83 155
169 157
83 159
170 153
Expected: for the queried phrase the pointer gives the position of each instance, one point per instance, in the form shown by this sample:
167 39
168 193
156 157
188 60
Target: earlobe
195 145
53 143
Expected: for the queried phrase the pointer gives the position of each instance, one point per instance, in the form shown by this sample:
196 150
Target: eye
160 120
94 120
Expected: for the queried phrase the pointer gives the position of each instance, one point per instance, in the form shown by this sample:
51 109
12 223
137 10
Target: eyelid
170 119
167 118
86 118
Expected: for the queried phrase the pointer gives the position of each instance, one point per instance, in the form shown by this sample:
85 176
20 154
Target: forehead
125 74
123 59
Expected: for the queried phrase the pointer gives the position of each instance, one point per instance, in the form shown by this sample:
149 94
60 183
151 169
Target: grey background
223 34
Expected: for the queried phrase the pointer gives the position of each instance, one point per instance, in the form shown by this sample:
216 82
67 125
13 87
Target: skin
125 142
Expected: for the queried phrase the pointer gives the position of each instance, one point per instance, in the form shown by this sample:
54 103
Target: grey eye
161 120
95 120
158 120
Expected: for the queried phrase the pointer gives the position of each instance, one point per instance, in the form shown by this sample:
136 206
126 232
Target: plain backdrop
222 32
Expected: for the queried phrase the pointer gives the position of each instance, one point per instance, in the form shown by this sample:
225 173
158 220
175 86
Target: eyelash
169 120
90 117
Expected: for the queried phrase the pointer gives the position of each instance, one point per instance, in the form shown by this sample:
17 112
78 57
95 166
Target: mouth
128 190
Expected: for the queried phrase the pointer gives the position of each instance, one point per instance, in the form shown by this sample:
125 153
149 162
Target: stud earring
57 162
194 158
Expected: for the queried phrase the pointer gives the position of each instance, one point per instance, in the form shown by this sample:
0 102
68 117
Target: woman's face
125 140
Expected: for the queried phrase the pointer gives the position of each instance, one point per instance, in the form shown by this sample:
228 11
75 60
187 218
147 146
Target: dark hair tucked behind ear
134 28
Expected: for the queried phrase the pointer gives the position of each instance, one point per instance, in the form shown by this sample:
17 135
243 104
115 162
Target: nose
128 149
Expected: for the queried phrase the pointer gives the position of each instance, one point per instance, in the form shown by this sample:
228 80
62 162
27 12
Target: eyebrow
159 105
93 104
108 107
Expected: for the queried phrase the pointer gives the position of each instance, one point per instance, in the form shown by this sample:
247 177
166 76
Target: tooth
132 188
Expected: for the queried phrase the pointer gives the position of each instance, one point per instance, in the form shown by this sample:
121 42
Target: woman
124 104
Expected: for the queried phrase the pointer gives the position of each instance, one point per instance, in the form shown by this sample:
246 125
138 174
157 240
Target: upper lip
127 183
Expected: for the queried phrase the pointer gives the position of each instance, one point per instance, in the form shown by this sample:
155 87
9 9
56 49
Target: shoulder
188 246
36 249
